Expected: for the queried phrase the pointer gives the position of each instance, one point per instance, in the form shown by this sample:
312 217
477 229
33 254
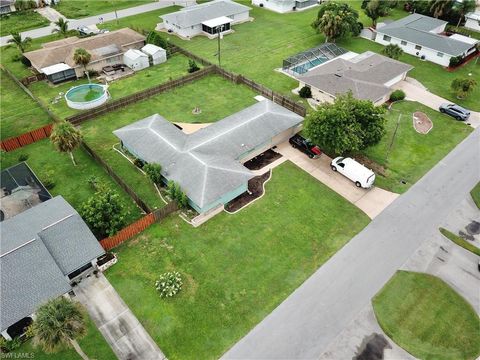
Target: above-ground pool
86 96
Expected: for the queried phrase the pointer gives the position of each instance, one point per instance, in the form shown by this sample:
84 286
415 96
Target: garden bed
262 160
421 122
255 190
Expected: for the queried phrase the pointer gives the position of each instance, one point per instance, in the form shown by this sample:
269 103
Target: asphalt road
311 317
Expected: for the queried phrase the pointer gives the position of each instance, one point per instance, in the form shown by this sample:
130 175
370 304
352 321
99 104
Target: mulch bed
421 122
376 167
262 160
255 185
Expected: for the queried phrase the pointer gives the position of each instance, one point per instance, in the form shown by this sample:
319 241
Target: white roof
464 39
217 21
53 69
135 54
473 15
152 49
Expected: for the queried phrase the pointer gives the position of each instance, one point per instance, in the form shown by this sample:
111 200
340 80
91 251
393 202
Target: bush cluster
169 284
154 172
397 95
192 66
305 92
176 193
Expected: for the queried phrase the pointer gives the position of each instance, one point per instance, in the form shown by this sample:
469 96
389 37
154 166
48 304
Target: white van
359 174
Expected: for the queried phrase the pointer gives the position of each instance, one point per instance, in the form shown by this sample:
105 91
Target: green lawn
426 317
21 21
20 113
236 268
93 344
175 67
413 154
460 241
476 194
74 9
70 181
216 97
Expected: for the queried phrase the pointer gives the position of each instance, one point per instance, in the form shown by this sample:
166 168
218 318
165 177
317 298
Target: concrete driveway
122 330
371 202
418 93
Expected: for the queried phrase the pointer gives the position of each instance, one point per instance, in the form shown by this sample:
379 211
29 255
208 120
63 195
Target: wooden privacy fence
32 78
30 137
175 48
163 212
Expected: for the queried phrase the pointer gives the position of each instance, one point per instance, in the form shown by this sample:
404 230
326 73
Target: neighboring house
423 36
7 6
208 19
369 76
156 54
55 59
472 21
208 163
136 59
43 249
283 6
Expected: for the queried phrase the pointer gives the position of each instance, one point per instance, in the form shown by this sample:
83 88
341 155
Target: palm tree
66 138
375 9
393 51
82 57
463 8
439 8
20 43
61 27
59 323
335 20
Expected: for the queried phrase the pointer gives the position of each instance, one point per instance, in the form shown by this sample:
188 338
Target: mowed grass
408 155
236 268
19 112
476 194
215 96
70 181
74 9
426 317
21 21
175 67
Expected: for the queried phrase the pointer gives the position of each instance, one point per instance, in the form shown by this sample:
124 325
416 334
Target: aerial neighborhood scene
240 179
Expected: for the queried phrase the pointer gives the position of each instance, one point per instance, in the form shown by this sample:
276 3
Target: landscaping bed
255 190
421 122
262 160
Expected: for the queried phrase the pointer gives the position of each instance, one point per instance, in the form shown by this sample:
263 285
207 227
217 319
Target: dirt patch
372 348
262 160
255 187
376 167
421 122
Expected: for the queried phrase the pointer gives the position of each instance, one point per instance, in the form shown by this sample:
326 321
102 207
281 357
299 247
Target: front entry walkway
371 201
123 332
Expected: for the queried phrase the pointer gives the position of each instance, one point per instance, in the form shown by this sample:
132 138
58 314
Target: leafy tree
104 212
375 9
82 57
61 27
438 8
154 172
66 138
347 125
462 8
20 43
463 87
155 38
59 323
393 51
192 66
305 92
336 20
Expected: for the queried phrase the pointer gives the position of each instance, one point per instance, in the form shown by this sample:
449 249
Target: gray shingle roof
416 29
194 15
206 163
365 75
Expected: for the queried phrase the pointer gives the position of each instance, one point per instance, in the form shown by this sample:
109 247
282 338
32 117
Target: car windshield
340 159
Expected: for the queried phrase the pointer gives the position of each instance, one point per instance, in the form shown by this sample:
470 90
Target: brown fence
32 78
30 137
163 212
128 232
175 48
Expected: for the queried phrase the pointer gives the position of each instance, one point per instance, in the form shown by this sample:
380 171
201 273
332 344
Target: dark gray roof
365 75
417 29
206 163
194 15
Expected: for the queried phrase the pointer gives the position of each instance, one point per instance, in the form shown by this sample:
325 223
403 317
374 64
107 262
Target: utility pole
219 31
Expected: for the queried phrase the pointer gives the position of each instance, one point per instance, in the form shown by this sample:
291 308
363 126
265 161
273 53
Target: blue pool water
303 68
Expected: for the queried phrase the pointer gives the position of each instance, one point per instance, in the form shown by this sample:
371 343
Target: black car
455 111
305 146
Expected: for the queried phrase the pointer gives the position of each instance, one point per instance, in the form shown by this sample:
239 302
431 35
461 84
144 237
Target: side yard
236 268
74 9
21 21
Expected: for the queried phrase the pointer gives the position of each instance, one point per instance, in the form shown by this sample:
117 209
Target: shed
157 54
136 60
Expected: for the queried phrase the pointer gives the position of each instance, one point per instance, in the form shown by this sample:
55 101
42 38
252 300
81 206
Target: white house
472 20
283 6
136 60
208 19
423 36
157 54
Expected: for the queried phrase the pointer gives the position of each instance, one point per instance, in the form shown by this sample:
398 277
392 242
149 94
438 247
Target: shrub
49 184
169 284
138 163
393 51
10 345
154 172
463 87
454 61
23 157
176 194
397 95
93 181
192 66
305 92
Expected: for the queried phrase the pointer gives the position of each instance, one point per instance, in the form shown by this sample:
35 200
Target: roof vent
338 75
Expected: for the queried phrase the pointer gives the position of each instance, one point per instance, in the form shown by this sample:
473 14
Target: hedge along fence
28 138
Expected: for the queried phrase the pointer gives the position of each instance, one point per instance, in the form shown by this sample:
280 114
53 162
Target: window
387 38
439 54
403 42
418 47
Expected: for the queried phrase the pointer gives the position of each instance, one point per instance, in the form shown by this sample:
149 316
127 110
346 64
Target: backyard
236 268
21 21
410 154
426 317
215 96
20 113
74 9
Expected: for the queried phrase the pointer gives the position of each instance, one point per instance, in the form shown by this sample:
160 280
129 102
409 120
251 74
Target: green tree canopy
336 20
376 8
66 138
463 87
347 125
462 8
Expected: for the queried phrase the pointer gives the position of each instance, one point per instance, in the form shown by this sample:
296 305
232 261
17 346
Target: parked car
455 111
85 31
305 146
359 174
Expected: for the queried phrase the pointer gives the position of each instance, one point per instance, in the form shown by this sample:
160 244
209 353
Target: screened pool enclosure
302 62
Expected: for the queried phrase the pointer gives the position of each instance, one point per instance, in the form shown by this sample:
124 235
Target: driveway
371 201
123 332
418 93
